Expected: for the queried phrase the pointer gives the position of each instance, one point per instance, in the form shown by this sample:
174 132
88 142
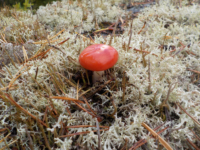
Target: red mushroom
98 57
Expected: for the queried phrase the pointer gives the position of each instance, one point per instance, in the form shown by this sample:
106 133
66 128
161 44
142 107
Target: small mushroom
97 58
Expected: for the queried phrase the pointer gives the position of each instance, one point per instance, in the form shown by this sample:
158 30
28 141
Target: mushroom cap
98 57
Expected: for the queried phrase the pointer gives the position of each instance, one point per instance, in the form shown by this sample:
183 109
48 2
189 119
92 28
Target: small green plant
17 6
26 5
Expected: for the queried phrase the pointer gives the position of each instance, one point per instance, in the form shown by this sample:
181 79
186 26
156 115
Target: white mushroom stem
97 76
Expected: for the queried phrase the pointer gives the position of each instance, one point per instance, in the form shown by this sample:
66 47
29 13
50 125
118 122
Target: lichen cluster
80 16
157 75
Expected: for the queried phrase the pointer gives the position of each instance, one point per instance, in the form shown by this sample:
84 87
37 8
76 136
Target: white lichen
168 45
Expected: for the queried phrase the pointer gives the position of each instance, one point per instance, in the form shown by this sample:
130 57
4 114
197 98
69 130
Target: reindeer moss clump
81 16
47 100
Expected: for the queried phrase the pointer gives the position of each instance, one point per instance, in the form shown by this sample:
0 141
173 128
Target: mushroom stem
97 76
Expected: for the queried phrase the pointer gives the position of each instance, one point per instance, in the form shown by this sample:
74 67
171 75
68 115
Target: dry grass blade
74 61
100 88
197 137
144 51
84 37
66 98
2 41
113 33
44 134
105 29
5 137
63 41
149 76
40 54
138 144
142 28
94 115
45 41
57 34
11 100
125 145
194 71
80 133
75 86
15 16
130 35
181 48
14 79
88 105
30 139
143 141
124 86
98 133
13 87
25 54
161 140
4 129
11 59
196 121
3 37
84 92
67 80
193 145
8 145
114 106
85 126
170 37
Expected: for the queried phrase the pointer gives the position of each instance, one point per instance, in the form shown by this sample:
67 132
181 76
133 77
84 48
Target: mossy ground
48 101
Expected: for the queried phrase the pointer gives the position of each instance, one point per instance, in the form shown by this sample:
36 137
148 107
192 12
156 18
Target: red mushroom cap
98 57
